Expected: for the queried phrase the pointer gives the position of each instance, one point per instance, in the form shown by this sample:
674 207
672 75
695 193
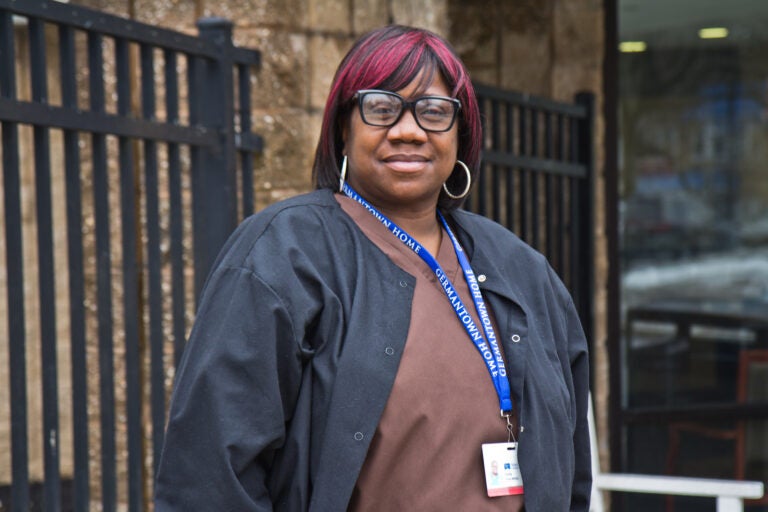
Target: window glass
693 143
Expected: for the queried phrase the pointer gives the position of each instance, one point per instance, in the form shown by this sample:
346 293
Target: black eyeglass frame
406 105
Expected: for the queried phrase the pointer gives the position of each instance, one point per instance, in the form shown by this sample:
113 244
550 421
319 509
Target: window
693 146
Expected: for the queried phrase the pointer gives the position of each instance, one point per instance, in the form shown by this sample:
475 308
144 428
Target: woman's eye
435 109
435 112
382 109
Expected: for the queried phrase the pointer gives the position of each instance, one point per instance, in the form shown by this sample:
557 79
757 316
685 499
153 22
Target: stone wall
551 48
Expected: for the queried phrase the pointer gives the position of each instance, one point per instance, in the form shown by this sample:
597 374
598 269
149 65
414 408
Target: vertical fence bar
42 150
510 175
194 79
154 276
214 180
246 157
131 279
523 173
176 216
15 276
574 214
560 258
578 217
495 172
103 279
535 177
76 279
549 210
481 206
585 146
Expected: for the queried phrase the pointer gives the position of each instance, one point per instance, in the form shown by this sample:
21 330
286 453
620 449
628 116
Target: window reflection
694 243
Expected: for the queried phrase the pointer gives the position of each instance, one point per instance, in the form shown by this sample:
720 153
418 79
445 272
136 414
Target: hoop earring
343 174
466 188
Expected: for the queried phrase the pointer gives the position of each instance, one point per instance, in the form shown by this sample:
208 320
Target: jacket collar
481 254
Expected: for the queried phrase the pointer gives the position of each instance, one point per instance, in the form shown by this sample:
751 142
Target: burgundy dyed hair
390 58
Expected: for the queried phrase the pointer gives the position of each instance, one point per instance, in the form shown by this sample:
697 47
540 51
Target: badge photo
502 472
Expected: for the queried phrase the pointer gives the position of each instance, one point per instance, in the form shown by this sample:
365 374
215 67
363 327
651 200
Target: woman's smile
406 162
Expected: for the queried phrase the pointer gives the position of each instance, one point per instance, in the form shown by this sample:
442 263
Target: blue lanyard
488 349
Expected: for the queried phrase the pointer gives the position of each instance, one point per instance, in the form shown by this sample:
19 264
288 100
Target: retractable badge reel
502 472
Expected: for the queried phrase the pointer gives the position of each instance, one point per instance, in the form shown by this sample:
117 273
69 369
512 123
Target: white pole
729 504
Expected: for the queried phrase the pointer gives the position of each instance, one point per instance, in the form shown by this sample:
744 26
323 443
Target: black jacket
296 345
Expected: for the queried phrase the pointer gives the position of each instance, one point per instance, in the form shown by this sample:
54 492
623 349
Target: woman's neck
422 225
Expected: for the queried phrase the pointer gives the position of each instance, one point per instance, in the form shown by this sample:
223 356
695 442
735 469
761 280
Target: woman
370 347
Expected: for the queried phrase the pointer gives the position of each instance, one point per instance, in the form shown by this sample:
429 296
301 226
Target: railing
730 494
124 137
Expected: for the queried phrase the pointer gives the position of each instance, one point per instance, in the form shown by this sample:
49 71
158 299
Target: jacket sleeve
234 388
579 360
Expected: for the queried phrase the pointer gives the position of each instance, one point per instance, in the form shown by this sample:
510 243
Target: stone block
471 36
479 55
313 133
329 15
526 62
283 80
107 6
429 14
505 44
488 75
288 148
179 15
368 15
286 14
525 15
577 32
174 14
571 78
325 54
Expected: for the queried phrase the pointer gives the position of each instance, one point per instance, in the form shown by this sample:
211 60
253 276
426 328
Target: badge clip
510 426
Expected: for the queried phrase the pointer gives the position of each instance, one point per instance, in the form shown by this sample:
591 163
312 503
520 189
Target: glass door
693 144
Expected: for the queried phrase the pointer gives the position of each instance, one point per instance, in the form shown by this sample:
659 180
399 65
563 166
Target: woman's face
401 167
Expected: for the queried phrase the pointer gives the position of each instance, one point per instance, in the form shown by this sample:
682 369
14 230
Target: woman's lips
406 163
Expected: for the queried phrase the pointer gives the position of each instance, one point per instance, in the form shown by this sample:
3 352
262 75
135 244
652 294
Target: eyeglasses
384 108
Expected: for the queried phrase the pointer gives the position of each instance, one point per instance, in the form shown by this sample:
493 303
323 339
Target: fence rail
126 153
537 178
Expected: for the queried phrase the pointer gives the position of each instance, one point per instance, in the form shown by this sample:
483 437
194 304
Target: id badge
502 472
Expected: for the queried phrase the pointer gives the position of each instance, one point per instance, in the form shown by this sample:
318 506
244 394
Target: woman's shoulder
315 204
497 245
295 223
483 229
304 212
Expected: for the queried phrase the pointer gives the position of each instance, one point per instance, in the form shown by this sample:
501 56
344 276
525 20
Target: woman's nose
407 129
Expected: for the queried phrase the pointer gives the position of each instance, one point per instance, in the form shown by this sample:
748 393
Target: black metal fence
126 153
537 179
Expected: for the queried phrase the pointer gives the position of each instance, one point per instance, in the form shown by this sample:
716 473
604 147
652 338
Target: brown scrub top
426 452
